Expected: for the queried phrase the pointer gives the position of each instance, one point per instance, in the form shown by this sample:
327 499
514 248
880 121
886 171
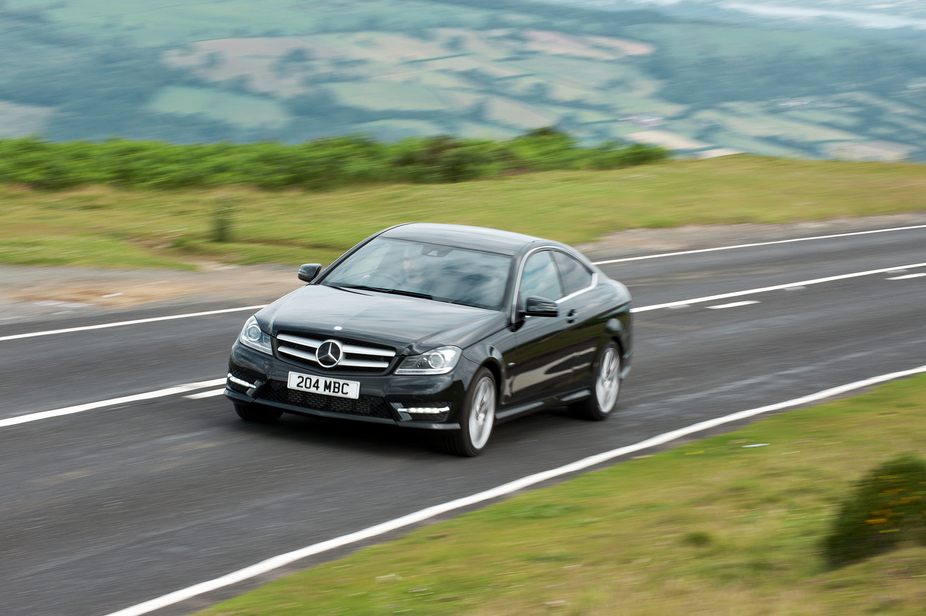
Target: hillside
290 71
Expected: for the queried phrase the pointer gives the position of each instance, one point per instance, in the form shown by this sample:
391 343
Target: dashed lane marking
206 394
80 408
791 241
777 287
732 305
671 305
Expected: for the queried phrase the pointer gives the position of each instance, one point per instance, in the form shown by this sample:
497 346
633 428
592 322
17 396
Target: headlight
254 337
438 361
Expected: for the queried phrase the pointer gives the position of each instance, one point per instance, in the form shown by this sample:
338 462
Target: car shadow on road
392 441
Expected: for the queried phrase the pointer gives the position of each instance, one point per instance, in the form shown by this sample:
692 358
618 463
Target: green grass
107 227
711 527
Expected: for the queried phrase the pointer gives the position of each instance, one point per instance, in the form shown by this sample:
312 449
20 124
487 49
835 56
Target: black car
439 327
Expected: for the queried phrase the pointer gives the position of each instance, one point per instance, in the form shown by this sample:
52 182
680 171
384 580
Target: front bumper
385 399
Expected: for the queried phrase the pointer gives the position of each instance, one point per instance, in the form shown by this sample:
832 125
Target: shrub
321 164
887 508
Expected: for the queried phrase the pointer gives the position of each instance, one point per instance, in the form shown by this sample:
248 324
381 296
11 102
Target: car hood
407 324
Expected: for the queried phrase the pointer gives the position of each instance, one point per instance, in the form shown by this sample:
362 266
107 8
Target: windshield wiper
407 293
361 287
358 287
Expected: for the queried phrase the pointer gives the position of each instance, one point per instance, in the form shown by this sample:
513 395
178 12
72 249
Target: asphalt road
107 508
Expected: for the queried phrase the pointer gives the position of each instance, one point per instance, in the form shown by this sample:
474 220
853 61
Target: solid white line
733 305
80 408
124 323
180 388
666 254
503 490
799 239
206 394
671 305
908 276
777 287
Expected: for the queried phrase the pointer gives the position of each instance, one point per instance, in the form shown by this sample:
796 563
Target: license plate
321 385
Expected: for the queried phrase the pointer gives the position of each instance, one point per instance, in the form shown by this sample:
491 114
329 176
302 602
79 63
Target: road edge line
282 560
84 328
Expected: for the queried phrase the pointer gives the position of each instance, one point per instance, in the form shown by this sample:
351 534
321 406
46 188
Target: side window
575 275
540 278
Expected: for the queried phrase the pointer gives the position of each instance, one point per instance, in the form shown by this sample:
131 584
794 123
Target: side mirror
309 271
540 307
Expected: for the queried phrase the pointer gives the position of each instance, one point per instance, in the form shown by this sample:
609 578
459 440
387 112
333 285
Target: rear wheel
257 413
477 418
606 389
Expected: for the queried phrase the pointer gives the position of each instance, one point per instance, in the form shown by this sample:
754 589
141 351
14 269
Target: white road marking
206 394
777 287
733 305
666 254
799 239
184 388
908 276
503 490
124 323
80 408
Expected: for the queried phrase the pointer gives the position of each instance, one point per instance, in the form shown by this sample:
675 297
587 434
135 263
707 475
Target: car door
541 365
580 308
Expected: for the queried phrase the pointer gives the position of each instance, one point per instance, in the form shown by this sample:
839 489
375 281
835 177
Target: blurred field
714 527
467 67
111 228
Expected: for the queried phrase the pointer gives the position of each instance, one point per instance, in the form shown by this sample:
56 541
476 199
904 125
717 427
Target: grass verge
717 526
107 227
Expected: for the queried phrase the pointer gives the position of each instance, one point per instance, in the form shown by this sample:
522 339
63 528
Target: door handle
572 315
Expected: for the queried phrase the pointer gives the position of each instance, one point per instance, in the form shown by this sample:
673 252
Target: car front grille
358 357
366 406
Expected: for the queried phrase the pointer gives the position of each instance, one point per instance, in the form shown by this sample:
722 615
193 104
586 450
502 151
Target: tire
476 418
257 413
607 386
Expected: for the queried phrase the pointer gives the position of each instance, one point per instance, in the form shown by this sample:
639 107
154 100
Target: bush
888 508
321 164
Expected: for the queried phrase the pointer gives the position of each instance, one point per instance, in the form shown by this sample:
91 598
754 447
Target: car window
443 273
575 275
540 278
365 261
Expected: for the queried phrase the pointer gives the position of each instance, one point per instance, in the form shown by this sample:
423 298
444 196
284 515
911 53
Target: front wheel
607 386
257 413
477 417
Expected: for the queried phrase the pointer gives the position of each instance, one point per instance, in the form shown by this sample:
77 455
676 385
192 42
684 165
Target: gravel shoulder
32 292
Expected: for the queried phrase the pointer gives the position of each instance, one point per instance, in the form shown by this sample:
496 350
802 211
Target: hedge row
314 165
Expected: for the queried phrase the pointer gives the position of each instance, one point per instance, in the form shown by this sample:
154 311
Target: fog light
423 409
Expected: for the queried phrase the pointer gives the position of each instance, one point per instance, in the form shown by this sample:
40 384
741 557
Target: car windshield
417 269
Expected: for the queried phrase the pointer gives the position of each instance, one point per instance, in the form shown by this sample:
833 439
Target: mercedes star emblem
329 353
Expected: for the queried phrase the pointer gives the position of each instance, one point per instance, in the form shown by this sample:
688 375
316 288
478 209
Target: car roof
462 236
